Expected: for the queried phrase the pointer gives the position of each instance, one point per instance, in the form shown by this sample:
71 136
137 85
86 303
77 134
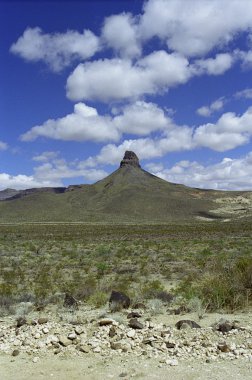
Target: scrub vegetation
209 263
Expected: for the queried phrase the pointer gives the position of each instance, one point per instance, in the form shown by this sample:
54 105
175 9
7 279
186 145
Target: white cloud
22 181
206 111
51 173
3 145
194 27
213 66
85 123
246 57
45 156
229 132
247 93
229 174
117 79
120 33
57 50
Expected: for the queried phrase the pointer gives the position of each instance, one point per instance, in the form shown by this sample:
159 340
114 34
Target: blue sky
81 82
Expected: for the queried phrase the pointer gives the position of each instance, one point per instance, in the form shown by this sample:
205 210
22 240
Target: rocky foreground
169 340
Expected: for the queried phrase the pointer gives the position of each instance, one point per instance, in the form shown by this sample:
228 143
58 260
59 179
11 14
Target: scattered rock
172 362
42 320
79 330
112 331
83 348
21 321
15 353
72 336
64 341
106 322
134 314
123 374
223 347
135 324
223 325
118 300
186 323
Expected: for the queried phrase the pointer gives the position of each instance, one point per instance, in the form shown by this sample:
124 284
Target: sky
81 82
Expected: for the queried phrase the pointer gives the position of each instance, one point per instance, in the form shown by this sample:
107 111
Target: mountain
129 194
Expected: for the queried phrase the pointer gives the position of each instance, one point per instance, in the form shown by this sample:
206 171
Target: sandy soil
96 368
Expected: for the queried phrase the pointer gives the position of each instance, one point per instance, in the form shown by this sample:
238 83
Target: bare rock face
131 159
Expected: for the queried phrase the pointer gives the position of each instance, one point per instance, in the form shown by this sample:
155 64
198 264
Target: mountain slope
130 194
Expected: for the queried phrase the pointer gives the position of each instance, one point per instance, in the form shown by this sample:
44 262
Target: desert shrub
155 306
152 288
98 299
226 283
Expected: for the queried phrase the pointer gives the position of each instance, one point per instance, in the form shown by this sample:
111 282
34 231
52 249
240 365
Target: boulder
135 324
186 323
118 300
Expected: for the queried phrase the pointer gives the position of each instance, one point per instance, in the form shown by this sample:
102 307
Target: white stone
131 333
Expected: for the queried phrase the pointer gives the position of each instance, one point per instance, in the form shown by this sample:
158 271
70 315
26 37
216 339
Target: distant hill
130 194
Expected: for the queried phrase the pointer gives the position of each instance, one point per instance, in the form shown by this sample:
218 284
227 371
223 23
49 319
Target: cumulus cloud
194 27
247 93
119 79
51 172
45 156
83 124
213 66
206 111
139 118
22 181
228 174
3 145
120 33
227 133
57 50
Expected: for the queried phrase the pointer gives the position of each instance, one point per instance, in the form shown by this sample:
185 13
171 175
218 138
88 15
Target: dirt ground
97 368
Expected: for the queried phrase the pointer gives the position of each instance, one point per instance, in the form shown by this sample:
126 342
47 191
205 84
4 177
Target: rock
70 301
131 333
223 347
72 336
35 359
37 335
64 341
42 320
106 322
15 353
112 331
45 330
172 362
123 374
135 324
120 345
186 323
79 330
21 321
223 325
134 314
131 159
118 300
170 344
83 348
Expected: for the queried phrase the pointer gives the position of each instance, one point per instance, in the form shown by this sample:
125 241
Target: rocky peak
130 158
